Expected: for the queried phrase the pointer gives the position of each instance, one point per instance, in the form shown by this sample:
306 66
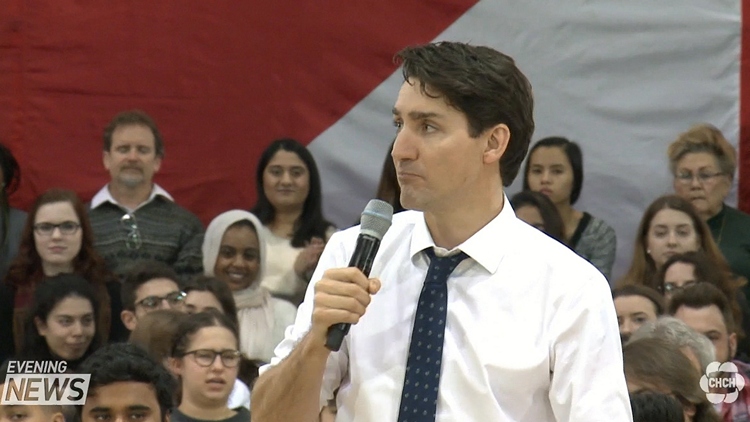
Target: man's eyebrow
131 407
416 115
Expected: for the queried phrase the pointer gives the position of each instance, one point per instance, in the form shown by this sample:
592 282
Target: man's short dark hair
703 295
655 407
141 273
125 362
482 83
134 118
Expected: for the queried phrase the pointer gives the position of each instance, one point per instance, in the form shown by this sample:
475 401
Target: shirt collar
105 196
495 233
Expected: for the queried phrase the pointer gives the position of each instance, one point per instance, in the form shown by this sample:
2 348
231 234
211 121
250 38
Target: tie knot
444 265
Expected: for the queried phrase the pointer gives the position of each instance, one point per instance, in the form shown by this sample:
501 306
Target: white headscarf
254 310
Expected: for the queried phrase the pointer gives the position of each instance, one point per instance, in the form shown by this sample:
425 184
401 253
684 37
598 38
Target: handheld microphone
376 219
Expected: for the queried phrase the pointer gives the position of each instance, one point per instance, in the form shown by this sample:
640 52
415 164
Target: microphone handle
363 257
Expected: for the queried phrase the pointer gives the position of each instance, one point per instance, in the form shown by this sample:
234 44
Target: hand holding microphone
343 294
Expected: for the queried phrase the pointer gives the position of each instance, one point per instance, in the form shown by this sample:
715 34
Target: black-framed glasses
175 299
207 357
133 240
67 228
671 288
687 177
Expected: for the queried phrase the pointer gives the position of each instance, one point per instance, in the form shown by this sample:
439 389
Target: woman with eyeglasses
61 323
56 239
206 358
703 163
11 219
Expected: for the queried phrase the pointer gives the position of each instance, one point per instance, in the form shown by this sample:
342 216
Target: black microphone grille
376 218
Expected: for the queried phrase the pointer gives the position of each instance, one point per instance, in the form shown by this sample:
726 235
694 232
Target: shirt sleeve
602 246
588 381
334 256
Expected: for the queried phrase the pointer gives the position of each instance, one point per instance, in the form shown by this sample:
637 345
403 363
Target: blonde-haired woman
703 163
234 251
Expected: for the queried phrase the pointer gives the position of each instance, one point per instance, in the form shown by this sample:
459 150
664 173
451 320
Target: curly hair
125 362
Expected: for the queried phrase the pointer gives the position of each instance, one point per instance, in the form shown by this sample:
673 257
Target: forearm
291 390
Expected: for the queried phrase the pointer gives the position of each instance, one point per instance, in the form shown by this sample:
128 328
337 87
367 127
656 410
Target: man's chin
132 182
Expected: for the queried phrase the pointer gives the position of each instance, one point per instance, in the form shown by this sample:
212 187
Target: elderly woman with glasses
703 165
56 239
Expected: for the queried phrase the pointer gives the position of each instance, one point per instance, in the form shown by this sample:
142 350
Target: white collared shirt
104 195
531 332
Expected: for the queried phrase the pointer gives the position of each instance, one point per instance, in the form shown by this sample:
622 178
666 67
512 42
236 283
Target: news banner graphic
43 383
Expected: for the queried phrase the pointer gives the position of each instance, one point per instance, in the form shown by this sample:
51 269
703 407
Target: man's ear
57 417
497 143
129 319
106 160
732 345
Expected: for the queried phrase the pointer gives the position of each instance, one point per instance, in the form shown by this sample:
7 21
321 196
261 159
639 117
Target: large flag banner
223 79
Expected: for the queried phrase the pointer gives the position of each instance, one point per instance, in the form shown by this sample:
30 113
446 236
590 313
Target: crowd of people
132 289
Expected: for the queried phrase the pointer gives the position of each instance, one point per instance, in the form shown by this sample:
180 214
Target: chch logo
722 376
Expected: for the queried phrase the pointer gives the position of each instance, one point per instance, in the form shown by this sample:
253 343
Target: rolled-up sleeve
334 256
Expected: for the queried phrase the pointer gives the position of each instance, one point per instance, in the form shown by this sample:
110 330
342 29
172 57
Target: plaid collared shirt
739 411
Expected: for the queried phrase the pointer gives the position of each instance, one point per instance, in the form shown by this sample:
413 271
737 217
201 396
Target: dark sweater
169 233
243 415
9 250
731 231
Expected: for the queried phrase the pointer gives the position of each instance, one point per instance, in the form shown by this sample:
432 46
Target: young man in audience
27 412
148 286
126 385
705 309
132 217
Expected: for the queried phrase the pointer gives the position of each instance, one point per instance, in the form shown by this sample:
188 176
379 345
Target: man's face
710 322
122 401
158 293
28 413
132 160
437 163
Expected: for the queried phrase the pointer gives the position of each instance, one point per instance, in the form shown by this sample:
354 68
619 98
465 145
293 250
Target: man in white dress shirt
530 332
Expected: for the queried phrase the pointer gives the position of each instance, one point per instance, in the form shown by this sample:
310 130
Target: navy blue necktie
420 394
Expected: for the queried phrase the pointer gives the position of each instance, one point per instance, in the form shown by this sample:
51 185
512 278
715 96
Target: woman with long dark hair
61 324
290 205
56 239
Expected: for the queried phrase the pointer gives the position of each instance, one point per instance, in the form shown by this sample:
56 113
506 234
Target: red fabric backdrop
221 78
